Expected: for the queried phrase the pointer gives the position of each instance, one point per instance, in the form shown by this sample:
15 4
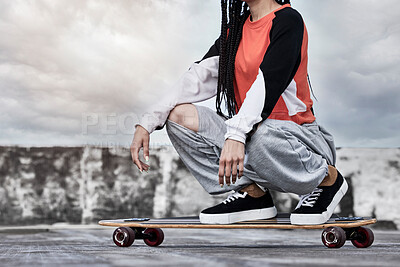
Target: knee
185 115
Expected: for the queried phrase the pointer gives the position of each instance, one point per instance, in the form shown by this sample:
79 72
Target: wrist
234 141
141 128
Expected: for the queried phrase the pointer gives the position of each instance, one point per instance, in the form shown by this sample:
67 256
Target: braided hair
234 15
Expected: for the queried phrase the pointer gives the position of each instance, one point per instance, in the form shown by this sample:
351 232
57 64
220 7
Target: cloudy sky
75 72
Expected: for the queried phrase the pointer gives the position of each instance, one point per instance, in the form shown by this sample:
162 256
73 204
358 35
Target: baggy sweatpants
281 155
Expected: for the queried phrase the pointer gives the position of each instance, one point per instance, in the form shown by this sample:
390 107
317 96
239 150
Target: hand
232 159
140 139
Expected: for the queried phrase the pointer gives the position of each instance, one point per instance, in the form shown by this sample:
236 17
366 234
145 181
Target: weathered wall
85 184
374 175
82 185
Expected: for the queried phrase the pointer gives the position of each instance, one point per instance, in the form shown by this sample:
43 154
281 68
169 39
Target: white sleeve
197 84
250 111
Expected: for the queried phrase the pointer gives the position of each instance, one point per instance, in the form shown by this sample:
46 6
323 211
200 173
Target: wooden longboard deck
281 221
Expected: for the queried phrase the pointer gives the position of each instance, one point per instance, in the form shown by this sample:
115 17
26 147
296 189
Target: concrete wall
86 184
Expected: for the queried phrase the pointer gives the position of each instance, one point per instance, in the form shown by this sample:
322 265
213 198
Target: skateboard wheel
333 237
156 237
123 236
364 237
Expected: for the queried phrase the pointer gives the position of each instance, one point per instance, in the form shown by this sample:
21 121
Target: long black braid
234 15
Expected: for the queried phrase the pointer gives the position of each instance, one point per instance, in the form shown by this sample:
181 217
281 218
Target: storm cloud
355 69
79 72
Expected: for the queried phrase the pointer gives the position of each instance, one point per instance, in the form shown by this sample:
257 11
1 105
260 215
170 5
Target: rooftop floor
92 245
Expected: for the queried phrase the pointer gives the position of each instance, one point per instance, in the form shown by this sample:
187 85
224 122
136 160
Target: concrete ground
92 245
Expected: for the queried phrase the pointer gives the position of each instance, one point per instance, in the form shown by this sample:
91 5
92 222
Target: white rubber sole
248 215
311 219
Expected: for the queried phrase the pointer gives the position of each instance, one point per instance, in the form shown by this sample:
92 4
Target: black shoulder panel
283 56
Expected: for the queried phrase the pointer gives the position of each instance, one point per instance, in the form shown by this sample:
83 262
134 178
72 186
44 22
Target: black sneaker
239 207
318 206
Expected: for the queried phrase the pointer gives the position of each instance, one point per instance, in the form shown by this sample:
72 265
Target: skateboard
335 232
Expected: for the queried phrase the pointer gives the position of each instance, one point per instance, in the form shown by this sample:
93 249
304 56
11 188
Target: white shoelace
310 199
234 196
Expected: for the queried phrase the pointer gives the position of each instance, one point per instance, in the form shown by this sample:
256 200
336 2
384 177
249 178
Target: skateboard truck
335 237
125 236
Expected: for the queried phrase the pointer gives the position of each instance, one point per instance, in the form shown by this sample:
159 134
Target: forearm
250 112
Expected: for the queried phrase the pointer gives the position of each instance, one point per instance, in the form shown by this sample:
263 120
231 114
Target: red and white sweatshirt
270 77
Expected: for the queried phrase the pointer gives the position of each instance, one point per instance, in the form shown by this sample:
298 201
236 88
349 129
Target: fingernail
141 171
147 158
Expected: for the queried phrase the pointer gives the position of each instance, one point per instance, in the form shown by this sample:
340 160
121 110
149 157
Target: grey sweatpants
281 155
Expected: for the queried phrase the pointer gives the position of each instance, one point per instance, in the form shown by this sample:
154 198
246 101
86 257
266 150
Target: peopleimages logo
109 123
